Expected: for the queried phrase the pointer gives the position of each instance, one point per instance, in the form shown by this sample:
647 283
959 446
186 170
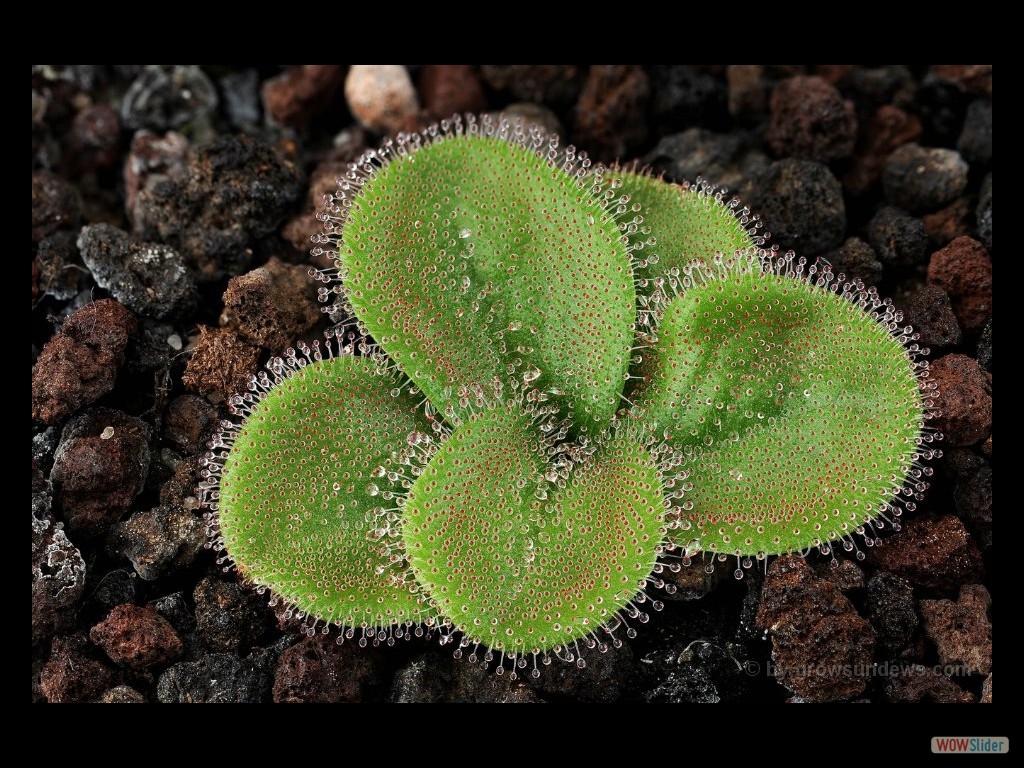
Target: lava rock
229 617
948 223
61 274
930 312
235 191
136 637
180 489
703 673
537 115
684 96
802 205
554 84
985 347
964 399
973 78
159 541
815 632
163 97
961 631
888 128
810 120
148 278
58 570
151 160
113 588
611 112
121 694
845 574
95 138
79 364
975 142
320 671
721 158
271 306
241 92
694 581
381 97
56 205
221 364
917 178
301 92
602 680
100 467
218 678
73 673
449 89
891 607
189 423
872 88
986 690
857 260
431 678
175 608
964 270
983 213
920 684
898 238
747 93
938 554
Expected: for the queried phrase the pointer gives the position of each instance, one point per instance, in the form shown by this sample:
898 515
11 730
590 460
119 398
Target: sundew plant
551 384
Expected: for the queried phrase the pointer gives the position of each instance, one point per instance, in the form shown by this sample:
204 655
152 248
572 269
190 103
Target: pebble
164 97
301 92
892 610
556 85
99 468
220 365
151 159
610 119
949 223
856 259
137 637
983 213
56 205
229 617
720 158
802 205
938 554
813 627
964 399
898 238
272 306
432 678
919 684
381 97
961 630
189 423
218 678
683 96
929 311
74 673
964 270
449 89
534 114
58 569
975 142
61 273
746 88
159 541
318 670
121 694
810 120
888 128
918 178
149 278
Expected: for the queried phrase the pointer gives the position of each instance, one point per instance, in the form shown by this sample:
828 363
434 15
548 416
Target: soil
171 214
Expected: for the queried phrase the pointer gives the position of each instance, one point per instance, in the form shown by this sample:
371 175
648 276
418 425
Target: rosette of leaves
572 370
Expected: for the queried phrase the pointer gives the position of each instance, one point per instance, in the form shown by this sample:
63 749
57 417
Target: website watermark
970 745
881 669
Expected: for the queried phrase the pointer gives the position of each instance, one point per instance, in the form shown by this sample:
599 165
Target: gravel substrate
171 214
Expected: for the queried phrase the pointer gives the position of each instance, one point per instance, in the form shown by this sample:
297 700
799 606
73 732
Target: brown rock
845 574
939 554
300 92
72 673
857 260
136 637
189 423
180 490
822 649
320 671
948 223
961 631
95 138
381 96
887 129
121 694
79 364
747 95
448 89
611 112
919 684
930 312
893 613
100 467
58 569
963 269
221 364
531 114
974 78
556 84
272 306
964 399
56 205
151 159
810 120
986 690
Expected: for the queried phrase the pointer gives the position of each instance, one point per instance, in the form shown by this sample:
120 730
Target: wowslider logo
974 745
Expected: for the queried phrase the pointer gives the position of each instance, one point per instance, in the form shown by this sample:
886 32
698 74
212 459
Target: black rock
164 97
918 178
159 541
683 96
975 142
899 239
985 347
856 259
219 678
725 159
983 213
229 617
801 203
929 310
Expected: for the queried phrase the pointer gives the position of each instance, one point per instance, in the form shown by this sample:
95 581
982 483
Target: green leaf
524 555
799 412
475 258
296 493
